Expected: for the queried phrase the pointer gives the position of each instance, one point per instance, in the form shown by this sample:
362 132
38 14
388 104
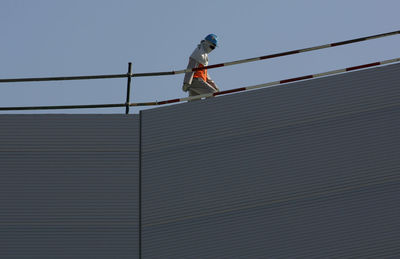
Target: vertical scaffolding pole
128 88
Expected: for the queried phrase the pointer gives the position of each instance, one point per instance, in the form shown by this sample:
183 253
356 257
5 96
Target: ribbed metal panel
307 170
69 186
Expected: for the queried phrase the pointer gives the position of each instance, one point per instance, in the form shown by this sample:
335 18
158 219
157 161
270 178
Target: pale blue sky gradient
41 38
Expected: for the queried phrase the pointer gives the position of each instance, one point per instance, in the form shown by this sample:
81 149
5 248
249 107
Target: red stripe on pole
363 66
214 66
230 91
170 101
348 42
280 54
296 79
208 67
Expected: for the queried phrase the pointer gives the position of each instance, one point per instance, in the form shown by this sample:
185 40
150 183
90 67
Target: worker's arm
187 81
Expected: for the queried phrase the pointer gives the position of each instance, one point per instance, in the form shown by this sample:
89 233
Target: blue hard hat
212 38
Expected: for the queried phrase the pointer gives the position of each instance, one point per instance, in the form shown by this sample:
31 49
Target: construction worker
199 82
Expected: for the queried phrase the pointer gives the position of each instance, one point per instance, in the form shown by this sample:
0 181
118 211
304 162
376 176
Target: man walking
199 82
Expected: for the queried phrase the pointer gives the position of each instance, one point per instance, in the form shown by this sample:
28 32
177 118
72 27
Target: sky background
46 38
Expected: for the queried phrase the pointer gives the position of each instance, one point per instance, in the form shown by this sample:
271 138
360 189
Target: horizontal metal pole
63 78
275 83
276 55
62 107
153 74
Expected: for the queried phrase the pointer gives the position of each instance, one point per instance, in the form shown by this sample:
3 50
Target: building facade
306 170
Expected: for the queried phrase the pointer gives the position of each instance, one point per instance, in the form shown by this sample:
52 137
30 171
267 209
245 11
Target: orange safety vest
201 74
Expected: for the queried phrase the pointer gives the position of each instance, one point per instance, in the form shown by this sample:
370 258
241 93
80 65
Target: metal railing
129 76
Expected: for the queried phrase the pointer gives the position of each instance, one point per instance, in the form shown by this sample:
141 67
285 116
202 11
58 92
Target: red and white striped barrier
270 84
335 44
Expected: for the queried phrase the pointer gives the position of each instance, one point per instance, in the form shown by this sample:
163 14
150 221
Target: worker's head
210 42
213 39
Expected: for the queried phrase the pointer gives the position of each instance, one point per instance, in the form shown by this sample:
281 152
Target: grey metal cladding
306 170
69 186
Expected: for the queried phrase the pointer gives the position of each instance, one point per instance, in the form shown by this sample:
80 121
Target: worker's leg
198 87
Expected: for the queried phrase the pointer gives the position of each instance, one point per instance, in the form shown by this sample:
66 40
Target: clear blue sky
43 38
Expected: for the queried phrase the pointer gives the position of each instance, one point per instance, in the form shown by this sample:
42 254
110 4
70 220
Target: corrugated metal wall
69 186
307 170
